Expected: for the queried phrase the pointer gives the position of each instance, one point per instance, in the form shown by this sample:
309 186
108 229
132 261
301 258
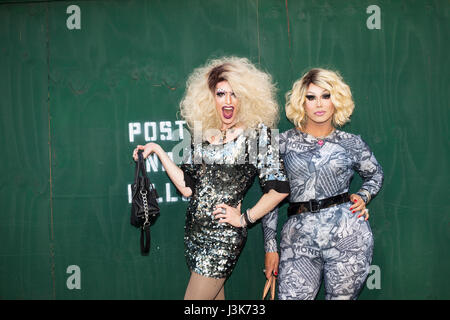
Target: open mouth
227 112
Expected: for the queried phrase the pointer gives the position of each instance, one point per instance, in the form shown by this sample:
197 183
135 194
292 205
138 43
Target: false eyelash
310 97
221 93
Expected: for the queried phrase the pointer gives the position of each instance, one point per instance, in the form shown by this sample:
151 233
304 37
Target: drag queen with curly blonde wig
230 108
327 234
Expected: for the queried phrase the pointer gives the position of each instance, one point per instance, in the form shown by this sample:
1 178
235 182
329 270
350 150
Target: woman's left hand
359 205
228 214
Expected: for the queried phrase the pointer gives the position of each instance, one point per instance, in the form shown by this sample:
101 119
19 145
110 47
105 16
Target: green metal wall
69 96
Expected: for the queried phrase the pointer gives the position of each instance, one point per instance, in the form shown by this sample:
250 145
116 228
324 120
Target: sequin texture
224 175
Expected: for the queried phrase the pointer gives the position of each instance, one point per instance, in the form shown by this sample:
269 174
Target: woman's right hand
271 264
149 148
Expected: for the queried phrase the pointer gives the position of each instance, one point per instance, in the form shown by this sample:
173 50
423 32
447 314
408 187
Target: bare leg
204 288
221 294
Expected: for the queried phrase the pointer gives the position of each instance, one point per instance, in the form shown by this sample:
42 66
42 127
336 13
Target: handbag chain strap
140 168
144 202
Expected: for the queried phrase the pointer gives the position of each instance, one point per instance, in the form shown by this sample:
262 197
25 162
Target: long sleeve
269 226
369 170
269 222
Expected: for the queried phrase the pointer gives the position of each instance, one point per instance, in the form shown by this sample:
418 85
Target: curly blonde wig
253 88
341 97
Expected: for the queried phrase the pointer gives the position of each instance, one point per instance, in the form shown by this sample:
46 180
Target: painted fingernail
275 273
355 200
353 211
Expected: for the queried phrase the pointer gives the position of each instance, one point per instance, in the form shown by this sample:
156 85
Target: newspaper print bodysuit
332 243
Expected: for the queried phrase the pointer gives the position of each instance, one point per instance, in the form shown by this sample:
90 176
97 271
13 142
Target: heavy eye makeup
221 93
311 97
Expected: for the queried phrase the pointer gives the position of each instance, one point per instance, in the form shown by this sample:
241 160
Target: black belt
314 205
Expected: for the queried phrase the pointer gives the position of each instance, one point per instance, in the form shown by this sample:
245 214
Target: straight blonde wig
253 88
340 92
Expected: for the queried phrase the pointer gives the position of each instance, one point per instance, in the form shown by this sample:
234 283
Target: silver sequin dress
223 175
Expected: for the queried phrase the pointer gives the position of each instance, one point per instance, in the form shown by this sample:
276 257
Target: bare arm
175 174
265 204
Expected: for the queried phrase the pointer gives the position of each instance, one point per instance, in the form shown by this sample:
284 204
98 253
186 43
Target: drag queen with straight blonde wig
230 108
327 234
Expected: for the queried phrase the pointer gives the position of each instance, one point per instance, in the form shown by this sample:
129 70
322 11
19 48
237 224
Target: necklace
224 133
320 139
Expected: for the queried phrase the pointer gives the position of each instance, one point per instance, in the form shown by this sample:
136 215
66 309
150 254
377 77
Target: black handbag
144 206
